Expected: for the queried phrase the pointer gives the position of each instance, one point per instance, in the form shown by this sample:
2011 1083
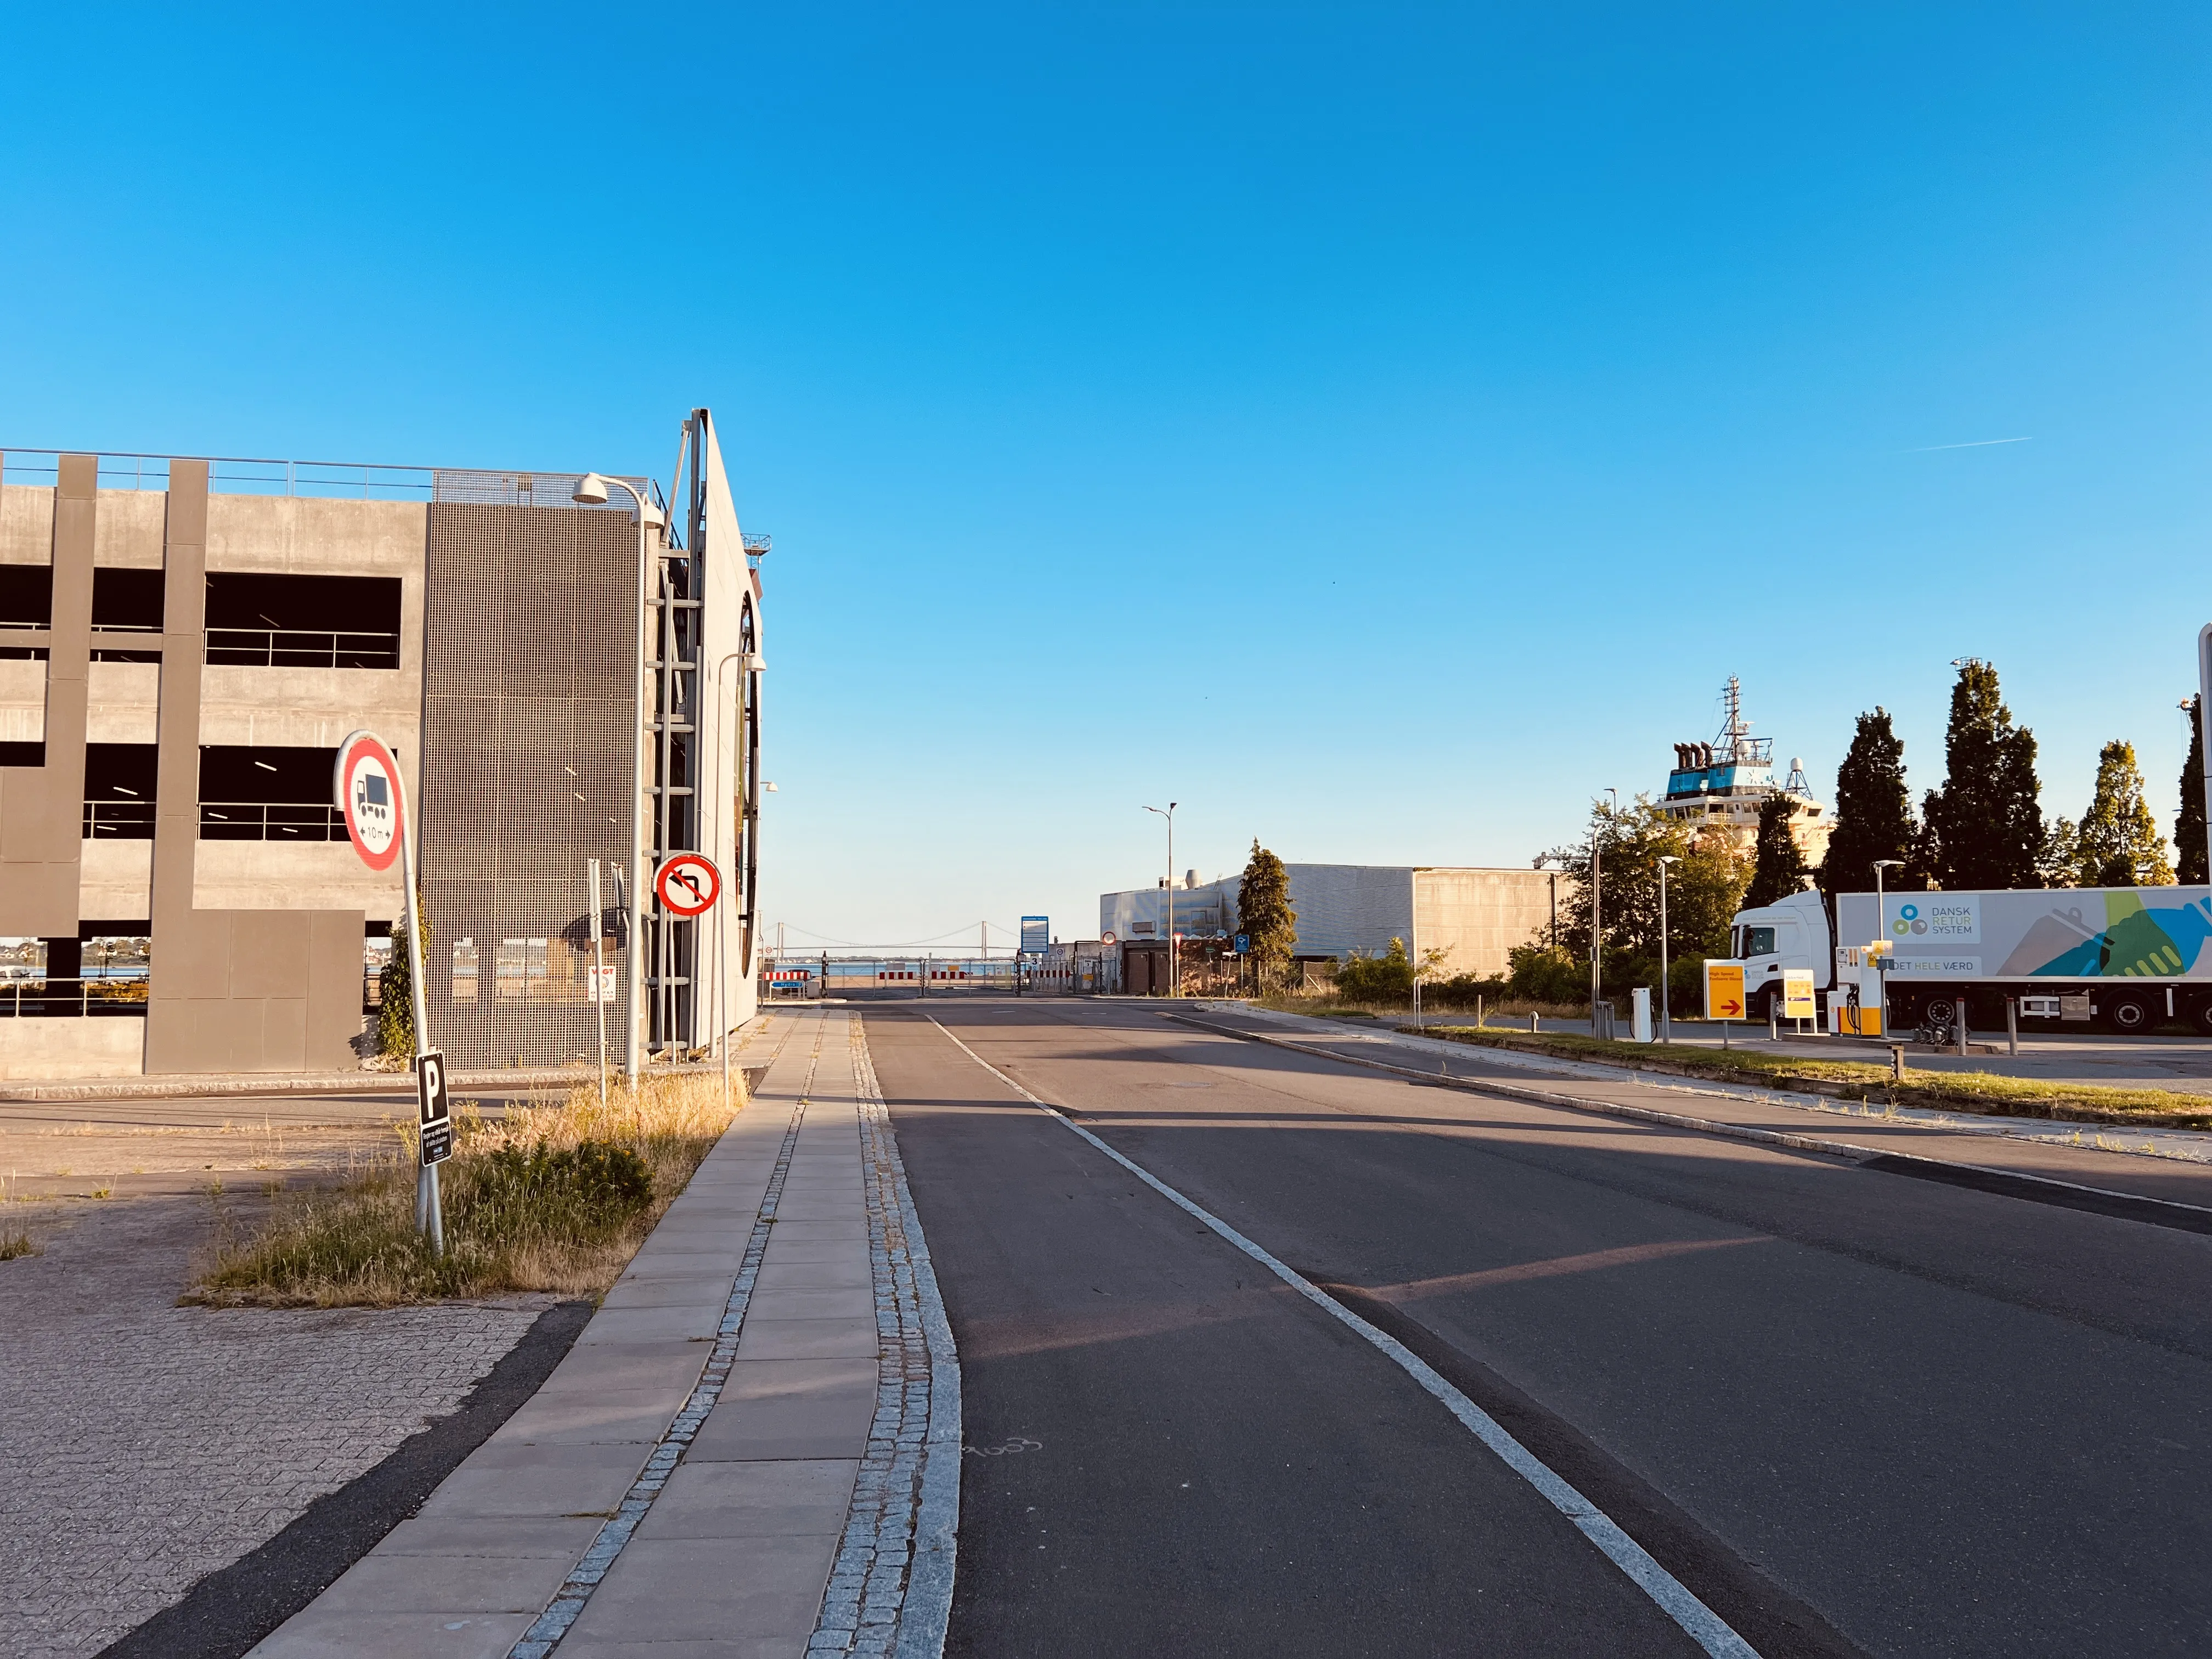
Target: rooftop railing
242 475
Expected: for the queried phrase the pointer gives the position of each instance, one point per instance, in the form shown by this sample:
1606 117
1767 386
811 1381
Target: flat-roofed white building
1473 915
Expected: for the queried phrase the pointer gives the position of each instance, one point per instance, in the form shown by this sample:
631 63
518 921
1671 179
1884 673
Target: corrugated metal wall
529 722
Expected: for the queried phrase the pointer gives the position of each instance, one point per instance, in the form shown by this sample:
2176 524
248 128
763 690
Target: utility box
1639 1014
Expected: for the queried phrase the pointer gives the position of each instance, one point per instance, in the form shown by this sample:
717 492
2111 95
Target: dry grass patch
554 1197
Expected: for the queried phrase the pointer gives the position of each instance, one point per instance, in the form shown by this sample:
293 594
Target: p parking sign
436 1127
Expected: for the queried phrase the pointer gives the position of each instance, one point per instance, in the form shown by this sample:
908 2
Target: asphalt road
1851 1411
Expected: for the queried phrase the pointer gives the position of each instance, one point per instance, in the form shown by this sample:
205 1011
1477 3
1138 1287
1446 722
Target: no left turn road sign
688 884
368 788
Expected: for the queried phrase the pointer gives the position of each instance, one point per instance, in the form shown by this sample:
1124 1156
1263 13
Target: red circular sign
688 884
368 794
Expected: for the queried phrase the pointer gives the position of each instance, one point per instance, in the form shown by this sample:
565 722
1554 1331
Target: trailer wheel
2205 1017
2130 1015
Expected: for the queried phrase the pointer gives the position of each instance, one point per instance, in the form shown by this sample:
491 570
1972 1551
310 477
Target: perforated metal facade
530 722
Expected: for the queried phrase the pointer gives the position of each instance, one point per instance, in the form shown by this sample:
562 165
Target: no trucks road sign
368 789
688 884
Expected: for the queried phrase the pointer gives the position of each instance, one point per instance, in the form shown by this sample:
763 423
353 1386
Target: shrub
1388 978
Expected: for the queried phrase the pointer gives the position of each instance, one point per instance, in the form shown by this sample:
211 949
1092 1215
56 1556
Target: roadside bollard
2012 1026
1962 1025
1532 1024
1774 1023
1897 1062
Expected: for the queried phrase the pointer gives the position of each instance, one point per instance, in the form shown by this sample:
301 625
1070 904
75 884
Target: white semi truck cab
1791 933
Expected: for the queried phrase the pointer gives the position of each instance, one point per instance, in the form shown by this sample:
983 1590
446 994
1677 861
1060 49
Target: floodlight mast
592 490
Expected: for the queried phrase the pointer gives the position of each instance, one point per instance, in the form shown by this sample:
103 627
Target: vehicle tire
2205 1017
2128 1014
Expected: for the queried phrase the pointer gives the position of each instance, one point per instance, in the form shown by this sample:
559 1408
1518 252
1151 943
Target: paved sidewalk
2176 1169
685 1482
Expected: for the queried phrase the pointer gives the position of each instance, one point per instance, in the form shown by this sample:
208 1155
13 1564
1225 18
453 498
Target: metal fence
242 475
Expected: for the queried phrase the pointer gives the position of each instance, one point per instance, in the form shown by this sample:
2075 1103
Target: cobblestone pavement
917 1416
145 1445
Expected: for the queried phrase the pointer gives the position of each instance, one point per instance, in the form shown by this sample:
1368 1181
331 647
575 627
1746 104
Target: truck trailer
2122 958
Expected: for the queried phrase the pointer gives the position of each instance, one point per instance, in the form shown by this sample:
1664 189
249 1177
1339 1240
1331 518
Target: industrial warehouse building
1473 916
184 643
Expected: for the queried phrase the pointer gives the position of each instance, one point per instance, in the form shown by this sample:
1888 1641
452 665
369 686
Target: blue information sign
1243 943
1036 935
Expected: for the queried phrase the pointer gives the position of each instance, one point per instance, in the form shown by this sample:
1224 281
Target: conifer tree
1986 823
1873 808
2189 848
1264 915
2116 844
1778 864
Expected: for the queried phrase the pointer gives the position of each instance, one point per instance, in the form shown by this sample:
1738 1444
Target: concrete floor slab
619 1417
596 1367
492 1536
808 1339
393 1583
523 1478
748 1647
710 1589
796 1498
315 1634
671 1290
791 1408
798 1270
694 1318
855 1304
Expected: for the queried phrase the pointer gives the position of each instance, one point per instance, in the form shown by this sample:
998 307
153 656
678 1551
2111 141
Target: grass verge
554 1198
1968 1091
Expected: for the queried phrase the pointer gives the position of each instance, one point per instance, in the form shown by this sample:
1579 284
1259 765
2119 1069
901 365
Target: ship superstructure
1721 785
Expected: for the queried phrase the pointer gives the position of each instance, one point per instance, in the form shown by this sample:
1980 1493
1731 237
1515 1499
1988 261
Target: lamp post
1597 932
1174 988
1881 931
1666 984
591 490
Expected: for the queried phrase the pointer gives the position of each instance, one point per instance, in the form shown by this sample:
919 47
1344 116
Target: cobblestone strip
892 1588
569 1600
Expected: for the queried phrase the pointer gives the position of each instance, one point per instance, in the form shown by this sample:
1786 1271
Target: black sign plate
437 1115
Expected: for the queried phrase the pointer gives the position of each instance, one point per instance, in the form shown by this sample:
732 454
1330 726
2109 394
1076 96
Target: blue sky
1378 428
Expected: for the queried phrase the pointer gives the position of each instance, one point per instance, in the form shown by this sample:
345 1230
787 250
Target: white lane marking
1702 1624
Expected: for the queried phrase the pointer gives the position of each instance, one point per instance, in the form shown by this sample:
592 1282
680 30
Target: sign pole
429 1214
722 989
598 974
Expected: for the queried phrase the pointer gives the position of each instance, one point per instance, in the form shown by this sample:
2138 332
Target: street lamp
1597 932
591 490
1174 988
1881 931
1665 984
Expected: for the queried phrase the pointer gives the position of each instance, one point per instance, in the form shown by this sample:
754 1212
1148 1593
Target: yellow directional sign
1724 990
1796 993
